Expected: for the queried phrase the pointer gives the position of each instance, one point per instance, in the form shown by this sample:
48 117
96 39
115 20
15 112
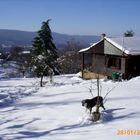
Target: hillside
14 37
24 38
54 112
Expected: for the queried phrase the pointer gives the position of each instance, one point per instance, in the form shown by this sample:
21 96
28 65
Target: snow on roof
129 45
85 49
88 48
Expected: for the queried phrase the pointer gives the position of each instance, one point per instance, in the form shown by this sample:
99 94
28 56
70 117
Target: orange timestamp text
123 132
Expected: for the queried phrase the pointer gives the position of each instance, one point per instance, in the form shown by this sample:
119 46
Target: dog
90 103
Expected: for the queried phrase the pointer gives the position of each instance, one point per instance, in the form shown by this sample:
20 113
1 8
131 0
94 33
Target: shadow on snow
110 115
59 130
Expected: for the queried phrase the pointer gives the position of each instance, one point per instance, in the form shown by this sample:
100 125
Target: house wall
128 65
133 66
111 49
98 48
109 71
100 66
88 61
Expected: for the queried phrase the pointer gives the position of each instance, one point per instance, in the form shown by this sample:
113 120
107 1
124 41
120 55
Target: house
109 56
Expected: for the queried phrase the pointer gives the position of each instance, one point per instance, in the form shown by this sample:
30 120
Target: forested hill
25 38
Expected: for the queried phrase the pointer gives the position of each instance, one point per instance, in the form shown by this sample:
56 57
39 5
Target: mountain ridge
10 37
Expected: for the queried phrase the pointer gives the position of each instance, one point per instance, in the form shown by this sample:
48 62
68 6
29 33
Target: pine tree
129 33
44 53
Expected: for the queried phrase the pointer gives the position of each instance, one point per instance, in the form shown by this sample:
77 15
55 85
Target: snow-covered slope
54 112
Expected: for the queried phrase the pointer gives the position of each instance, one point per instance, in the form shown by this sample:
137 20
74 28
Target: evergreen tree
129 33
44 53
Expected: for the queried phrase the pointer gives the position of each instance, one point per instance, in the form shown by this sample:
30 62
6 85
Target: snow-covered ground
54 112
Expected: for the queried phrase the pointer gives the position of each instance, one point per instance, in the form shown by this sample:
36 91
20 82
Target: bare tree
69 59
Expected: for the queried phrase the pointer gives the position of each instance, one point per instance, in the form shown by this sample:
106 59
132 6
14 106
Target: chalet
109 56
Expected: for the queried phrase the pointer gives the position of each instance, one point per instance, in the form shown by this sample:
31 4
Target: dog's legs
90 110
102 106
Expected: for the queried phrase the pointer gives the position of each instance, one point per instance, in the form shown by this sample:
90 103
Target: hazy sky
89 17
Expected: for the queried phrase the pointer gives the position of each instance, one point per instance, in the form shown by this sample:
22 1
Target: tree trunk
23 73
41 81
96 114
98 93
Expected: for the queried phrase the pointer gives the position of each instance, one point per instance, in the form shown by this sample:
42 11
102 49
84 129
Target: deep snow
54 112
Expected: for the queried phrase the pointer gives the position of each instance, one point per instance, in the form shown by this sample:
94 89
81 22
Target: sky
80 17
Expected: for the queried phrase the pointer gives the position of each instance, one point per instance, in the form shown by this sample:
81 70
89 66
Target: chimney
103 35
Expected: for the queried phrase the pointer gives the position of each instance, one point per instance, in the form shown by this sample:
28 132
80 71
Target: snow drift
54 111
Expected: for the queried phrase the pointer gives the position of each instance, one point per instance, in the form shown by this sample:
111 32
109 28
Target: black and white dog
90 103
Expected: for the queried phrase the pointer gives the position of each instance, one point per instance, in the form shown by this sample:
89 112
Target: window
113 62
